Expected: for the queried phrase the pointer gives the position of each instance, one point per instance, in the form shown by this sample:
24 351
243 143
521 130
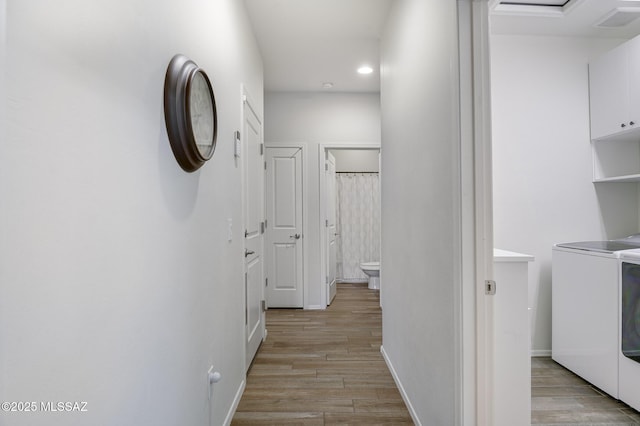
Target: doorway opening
350 214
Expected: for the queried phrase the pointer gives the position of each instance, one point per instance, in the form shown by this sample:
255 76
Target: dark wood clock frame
177 113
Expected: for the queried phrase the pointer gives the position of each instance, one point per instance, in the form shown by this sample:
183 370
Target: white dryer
629 347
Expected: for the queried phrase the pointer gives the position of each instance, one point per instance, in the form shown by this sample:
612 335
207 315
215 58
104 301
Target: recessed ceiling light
365 69
327 85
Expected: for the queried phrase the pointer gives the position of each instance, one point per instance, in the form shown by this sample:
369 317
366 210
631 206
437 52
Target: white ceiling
305 43
577 20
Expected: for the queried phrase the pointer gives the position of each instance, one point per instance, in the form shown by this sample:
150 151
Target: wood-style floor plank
559 397
323 367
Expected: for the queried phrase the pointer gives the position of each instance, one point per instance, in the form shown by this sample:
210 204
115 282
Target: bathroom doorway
350 212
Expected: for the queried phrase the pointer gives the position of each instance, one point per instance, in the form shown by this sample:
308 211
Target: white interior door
253 205
330 226
284 227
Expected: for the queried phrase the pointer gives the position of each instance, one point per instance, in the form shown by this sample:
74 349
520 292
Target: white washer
585 306
629 347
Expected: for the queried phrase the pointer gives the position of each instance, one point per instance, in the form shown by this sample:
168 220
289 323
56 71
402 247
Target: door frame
483 178
322 149
328 242
474 317
305 211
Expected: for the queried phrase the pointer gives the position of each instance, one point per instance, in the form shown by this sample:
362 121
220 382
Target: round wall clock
189 113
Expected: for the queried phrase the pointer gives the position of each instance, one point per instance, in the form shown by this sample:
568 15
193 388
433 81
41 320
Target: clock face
202 114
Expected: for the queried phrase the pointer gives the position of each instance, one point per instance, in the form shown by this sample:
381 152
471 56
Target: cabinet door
608 93
634 82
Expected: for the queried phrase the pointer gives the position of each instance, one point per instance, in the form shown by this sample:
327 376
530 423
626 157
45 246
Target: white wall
356 160
319 118
421 260
542 166
118 284
3 137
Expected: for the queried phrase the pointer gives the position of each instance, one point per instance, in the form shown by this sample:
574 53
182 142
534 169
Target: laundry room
560 176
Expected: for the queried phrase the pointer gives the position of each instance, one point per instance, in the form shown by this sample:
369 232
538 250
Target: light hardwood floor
323 367
559 397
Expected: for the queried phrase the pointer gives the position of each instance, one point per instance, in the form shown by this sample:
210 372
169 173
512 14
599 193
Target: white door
253 206
284 228
330 226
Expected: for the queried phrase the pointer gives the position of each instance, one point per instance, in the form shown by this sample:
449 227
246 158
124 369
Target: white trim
540 352
465 294
247 99
235 403
474 234
352 281
315 307
403 393
483 209
243 245
350 145
304 146
322 149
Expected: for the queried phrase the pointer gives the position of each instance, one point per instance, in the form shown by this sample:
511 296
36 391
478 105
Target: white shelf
632 134
626 178
617 159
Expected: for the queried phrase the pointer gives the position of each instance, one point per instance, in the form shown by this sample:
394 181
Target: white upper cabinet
609 93
614 96
633 78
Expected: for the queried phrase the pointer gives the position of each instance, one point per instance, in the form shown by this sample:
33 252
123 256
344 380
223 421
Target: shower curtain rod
358 172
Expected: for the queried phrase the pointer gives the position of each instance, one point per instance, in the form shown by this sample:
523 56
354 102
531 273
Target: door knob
248 252
296 236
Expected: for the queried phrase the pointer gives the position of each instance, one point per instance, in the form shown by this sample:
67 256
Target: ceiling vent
618 17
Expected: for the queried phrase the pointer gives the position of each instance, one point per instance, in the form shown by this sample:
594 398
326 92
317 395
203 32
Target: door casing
322 150
305 212
284 248
331 225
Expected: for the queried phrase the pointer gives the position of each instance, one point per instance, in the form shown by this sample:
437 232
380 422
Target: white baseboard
404 395
352 281
540 352
234 405
314 307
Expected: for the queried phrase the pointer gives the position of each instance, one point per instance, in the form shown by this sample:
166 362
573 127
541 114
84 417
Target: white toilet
372 270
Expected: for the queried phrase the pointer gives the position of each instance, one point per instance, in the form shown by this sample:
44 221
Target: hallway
323 367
